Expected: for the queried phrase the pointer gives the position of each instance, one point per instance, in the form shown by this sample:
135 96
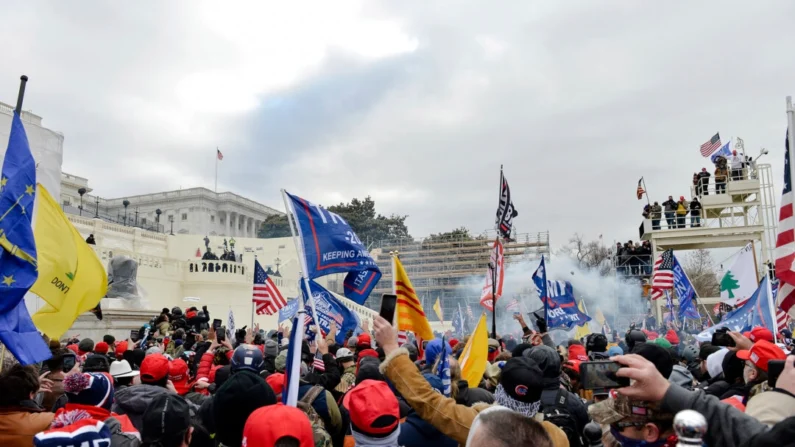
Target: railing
200 267
639 265
713 187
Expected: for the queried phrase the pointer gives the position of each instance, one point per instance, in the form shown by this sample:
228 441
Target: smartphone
774 368
220 334
134 334
388 306
601 374
217 324
721 337
69 362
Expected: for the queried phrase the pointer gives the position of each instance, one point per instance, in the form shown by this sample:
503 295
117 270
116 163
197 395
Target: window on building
212 219
143 221
66 202
184 216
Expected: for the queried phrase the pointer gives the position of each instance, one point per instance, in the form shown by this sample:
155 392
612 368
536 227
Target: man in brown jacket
20 417
519 390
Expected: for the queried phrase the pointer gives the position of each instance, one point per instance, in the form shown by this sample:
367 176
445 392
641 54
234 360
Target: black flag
505 212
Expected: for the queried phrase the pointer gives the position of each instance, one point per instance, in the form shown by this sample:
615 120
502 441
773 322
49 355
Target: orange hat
761 353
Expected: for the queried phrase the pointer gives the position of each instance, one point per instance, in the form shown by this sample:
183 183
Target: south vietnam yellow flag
71 280
437 309
475 356
411 317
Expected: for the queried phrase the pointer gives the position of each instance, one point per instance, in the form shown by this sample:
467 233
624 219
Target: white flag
230 327
740 281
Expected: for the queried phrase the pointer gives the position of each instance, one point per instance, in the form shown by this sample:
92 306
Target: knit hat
732 367
281 361
715 362
86 345
662 342
94 389
706 350
521 382
368 369
271 348
83 432
656 354
101 348
373 408
166 417
260 429
434 348
154 368
243 393
96 363
178 375
615 350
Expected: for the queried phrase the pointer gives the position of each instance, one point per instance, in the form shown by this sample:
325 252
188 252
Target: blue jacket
415 432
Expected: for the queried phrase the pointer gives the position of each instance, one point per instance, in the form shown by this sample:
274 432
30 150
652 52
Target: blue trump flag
18 254
757 311
458 322
288 312
559 297
292 372
331 246
685 292
723 151
444 369
329 309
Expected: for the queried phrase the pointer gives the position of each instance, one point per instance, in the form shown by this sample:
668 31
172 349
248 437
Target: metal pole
646 191
216 170
23 80
494 296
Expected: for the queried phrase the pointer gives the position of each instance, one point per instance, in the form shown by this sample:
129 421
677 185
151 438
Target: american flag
402 338
219 154
469 312
266 296
663 275
781 320
641 191
785 241
318 364
513 305
710 146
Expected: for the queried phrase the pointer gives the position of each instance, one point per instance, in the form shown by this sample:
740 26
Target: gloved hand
542 325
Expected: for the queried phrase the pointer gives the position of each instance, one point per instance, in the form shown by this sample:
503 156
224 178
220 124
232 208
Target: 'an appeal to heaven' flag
410 314
18 249
496 261
331 246
785 241
266 296
563 310
740 281
329 309
505 211
72 279
757 311
684 292
288 312
475 355
710 146
663 276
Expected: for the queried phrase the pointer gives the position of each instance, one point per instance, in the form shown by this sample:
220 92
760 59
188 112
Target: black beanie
732 368
657 355
242 393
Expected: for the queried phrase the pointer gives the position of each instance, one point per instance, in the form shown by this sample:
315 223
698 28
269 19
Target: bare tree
590 255
700 268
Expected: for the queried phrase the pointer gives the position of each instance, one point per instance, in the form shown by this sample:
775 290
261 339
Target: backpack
557 413
321 435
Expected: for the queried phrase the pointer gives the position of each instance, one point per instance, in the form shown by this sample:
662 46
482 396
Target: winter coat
682 377
164 328
736 427
470 396
721 175
682 207
703 177
778 436
133 401
695 208
548 360
122 432
670 206
452 419
771 407
656 212
415 432
328 379
19 424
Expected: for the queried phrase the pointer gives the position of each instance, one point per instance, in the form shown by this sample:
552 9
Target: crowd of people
184 384
633 259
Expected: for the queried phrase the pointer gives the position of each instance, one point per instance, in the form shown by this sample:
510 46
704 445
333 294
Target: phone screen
388 305
134 334
217 323
774 368
220 334
595 375
69 363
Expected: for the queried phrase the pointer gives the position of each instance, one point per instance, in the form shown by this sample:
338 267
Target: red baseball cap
373 408
364 340
573 364
178 375
760 333
101 348
154 368
577 352
761 353
262 431
276 381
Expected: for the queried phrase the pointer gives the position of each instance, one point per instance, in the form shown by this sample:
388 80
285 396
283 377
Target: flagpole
395 319
494 293
546 298
216 169
772 307
299 247
23 81
646 191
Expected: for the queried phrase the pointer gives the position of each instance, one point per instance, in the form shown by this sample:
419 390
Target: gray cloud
577 100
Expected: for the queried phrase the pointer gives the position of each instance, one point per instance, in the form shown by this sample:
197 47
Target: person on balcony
656 214
736 163
681 212
721 176
670 208
695 213
703 178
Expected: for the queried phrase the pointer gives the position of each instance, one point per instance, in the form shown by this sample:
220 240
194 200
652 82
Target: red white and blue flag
266 295
785 242
662 278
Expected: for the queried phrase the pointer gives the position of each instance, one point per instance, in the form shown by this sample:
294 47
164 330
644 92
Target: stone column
233 224
250 227
227 225
257 224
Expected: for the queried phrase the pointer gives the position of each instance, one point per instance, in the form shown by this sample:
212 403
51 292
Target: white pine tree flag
740 281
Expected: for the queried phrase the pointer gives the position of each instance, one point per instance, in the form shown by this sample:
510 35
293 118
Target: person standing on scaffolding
721 175
736 163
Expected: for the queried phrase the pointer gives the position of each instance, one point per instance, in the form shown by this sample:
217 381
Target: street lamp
136 216
158 212
96 215
171 219
126 203
81 191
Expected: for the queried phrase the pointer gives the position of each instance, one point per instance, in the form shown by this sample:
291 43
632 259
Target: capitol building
167 234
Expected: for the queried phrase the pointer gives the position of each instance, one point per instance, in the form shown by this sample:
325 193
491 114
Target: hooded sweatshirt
133 401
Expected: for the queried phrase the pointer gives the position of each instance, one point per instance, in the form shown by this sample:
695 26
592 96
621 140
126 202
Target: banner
331 246
496 260
563 310
722 152
288 312
684 292
755 312
329 309
740 281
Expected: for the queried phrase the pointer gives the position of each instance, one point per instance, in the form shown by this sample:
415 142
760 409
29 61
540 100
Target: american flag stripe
640 188
781 320
663 276
785 241
402 338
711 146
318 364
266 295
513 305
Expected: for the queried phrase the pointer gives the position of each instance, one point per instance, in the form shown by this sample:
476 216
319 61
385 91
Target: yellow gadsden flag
71 277
585 329
475 356
411 317
437 309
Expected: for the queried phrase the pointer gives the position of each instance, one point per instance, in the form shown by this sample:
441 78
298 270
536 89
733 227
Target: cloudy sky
415 103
